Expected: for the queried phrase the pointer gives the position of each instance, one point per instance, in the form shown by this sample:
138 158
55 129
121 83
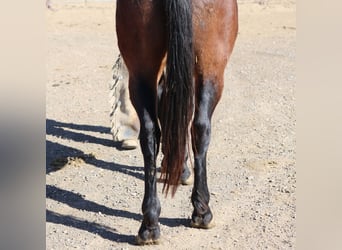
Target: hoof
204 221
148 236
129 144
187 181
142 242
202 225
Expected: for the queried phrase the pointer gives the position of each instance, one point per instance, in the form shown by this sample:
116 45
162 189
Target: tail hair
177 96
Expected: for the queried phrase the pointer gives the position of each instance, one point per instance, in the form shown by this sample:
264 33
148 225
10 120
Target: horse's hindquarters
140 27
215 29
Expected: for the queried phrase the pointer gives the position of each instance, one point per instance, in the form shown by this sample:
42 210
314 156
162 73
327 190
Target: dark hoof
204 222
196 224
142 242
148 236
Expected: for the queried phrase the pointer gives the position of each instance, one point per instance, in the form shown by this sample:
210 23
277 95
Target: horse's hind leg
144 101
141 39
208 94
215 35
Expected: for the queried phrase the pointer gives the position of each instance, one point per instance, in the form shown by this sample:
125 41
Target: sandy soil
94 190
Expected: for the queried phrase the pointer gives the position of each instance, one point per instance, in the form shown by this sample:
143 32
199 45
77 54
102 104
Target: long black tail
177 97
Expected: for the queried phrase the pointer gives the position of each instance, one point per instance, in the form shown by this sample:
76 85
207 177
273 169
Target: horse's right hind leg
215 35
207 96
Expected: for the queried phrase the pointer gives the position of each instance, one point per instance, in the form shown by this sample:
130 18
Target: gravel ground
94 190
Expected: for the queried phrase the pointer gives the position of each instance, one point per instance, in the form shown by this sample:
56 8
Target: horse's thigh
141 34
215 31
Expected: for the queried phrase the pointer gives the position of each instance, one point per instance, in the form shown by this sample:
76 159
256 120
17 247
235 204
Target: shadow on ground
77 201
57 157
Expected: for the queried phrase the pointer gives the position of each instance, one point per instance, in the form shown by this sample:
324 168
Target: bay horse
182 47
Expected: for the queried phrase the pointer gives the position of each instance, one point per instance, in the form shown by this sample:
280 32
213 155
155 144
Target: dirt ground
94 190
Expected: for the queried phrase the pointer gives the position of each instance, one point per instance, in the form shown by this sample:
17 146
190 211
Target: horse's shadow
62 130
77 201
59 152
57 156
92 227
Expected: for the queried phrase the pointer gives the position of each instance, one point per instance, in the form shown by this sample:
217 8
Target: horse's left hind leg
143 100
140 27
